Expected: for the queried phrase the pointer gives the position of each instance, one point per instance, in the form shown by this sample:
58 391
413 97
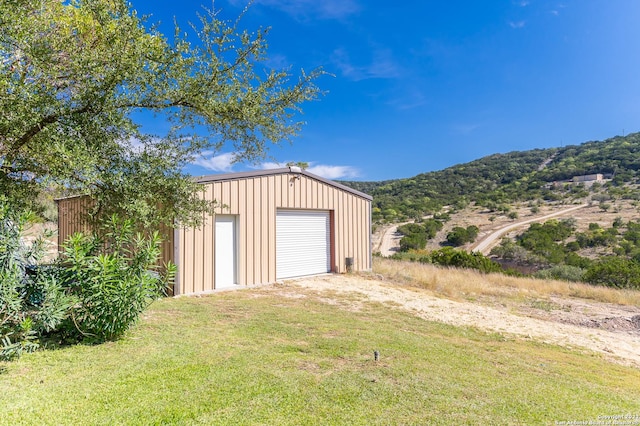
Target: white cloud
217 163
382 66
333 172
314 9
322 170
517 24
277 61
271 165
135 144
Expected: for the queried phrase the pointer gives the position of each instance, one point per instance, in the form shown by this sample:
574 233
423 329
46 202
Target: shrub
32 301
413 242
416 235
112 287
561 272
614 271
94 294
509 250
448 256
459 236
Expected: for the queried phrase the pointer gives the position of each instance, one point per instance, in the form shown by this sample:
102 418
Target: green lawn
253 357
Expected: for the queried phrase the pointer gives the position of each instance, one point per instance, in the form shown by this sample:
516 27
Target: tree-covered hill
503 178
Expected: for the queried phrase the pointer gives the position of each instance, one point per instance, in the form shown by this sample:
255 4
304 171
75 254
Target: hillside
504 178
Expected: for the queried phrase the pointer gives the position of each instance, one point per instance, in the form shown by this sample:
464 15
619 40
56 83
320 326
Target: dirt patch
611 330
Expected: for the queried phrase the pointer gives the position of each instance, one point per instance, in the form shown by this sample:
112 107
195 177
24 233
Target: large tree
73 74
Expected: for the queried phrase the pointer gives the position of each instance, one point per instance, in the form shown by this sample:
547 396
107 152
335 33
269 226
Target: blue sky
419 86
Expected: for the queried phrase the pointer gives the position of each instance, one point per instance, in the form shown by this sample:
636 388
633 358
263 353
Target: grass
257 357
469 284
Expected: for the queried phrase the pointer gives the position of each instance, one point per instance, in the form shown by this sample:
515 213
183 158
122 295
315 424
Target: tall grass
466 284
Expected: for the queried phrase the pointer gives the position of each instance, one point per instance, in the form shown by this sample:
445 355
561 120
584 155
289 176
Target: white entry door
225 251
302 243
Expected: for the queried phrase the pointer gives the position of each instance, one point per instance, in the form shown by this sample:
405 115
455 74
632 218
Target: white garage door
302 243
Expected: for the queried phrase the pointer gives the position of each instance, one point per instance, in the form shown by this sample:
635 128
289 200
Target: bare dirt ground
610 330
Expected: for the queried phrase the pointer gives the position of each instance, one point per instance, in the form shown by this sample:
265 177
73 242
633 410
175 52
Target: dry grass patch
464 284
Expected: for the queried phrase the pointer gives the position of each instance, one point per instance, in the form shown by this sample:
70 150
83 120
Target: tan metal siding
274 192
72 217
255 201
265 195
208 255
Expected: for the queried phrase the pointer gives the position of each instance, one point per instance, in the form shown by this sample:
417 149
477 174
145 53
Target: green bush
416 234
459 236
561 272
32 301
614 271
94 294
448 256
113 277
413 242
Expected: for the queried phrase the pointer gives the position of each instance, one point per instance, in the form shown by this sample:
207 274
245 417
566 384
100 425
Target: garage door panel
302 243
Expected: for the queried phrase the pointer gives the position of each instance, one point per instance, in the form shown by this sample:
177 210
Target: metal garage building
273 224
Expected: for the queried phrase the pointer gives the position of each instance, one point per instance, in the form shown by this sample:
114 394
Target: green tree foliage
459 236
597 236
448 256
544 240
562 272
74 73
543 244
512 251
416 235
614 271
413 242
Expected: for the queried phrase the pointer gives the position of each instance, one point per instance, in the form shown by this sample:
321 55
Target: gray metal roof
286 170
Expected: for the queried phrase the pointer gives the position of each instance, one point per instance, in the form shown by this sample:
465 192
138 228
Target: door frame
234 250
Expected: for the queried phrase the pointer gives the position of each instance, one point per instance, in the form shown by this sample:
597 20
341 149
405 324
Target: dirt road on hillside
389 242
485 245
610 330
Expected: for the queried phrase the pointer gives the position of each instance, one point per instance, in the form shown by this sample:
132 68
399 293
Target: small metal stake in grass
376 355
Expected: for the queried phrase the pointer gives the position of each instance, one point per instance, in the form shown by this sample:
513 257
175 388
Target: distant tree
413 242
614 272
459 236
302 164
416 235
